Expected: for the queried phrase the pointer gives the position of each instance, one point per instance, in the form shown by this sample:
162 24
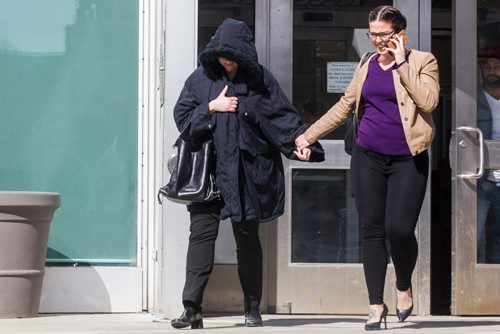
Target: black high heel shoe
403 314
377 325
189 318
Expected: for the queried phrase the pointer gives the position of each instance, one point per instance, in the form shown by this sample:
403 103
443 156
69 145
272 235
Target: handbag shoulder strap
364 58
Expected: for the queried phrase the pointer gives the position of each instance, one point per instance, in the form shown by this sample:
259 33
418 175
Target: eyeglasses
384 36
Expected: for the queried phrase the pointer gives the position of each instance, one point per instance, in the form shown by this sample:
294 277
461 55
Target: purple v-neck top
380 129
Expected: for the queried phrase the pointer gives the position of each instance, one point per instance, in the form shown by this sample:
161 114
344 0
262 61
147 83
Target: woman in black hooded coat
238 102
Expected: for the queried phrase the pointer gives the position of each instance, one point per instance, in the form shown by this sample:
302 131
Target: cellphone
402 34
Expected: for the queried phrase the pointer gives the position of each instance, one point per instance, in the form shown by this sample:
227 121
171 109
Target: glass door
475 158
318 255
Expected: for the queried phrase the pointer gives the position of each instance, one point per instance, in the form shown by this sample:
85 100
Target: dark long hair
388 14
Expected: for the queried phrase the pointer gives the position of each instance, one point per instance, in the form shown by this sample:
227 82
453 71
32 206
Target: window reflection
35 29
69 121
488 120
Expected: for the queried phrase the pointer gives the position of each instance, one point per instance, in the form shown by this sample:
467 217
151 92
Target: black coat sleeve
280 122
191 107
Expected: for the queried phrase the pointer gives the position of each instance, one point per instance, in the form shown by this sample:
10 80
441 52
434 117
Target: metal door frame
274 42
472 283
419 30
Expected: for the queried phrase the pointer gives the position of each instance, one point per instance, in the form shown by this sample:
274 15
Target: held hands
301 142
303 152
223 103
398 51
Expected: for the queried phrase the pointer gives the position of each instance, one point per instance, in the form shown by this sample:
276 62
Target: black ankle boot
190 317
253 319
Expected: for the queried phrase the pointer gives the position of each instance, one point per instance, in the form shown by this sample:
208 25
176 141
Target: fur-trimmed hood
233 40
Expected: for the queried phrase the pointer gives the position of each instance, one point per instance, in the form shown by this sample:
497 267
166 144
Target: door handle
480 172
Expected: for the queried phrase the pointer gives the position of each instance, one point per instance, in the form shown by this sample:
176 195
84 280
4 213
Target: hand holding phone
402 34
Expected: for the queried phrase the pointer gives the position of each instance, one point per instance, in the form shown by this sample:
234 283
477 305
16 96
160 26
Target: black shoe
253 319
403 314
189 318
376 325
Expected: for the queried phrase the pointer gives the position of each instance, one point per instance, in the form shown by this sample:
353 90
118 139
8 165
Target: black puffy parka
248 142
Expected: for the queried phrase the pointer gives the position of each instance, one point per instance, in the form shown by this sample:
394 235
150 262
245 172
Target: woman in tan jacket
394 92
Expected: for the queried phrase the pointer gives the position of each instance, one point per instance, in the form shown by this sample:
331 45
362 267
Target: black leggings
200 259
388 191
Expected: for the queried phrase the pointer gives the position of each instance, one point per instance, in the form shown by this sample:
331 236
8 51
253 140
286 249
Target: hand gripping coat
248 142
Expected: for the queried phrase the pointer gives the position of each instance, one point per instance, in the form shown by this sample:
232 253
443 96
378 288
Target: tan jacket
417 91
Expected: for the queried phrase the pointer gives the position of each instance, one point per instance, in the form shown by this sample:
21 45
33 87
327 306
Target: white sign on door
339 75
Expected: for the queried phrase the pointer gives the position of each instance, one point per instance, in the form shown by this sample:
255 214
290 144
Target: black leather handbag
192 171
351 125
351 130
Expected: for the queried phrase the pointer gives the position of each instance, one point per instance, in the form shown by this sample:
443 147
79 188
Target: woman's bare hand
223 103
304 154
301 142
399 52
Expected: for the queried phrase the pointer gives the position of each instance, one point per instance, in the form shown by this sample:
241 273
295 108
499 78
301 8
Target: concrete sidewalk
148 323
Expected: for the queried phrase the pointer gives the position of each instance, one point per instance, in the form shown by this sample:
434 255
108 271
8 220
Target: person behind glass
238 102
394 92
488 187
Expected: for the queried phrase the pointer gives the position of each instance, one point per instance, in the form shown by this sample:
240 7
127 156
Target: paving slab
135 323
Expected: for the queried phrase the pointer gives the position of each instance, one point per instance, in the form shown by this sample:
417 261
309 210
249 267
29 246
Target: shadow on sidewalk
308 321
414 323
288 322
449 324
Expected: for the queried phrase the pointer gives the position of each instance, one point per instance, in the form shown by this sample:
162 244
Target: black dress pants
200 258
388 191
